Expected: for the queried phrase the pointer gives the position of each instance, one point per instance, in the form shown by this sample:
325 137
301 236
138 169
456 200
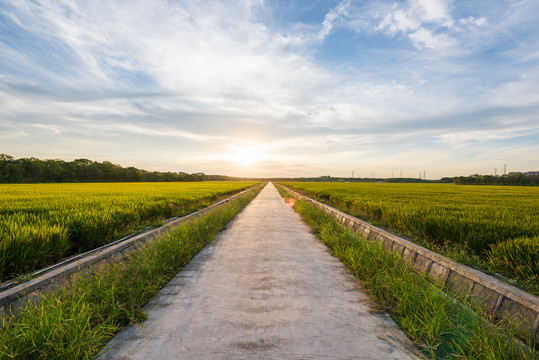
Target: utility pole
420 175
424 174
352 174
505 169
495 171
401 173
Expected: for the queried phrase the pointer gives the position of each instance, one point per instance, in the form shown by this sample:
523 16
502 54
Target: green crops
463 222
442 327
41 223
518 256
78 320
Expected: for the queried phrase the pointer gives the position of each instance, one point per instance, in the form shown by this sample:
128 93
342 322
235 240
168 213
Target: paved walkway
265 288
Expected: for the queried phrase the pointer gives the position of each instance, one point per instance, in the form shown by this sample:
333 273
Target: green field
42 223
440 326
498 224
77 320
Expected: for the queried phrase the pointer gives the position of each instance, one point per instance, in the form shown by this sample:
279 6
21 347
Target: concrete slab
265 288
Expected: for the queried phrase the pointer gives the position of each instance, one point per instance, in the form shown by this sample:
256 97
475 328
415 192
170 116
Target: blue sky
274 88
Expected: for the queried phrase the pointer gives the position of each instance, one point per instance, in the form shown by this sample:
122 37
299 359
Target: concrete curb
499 300
31 290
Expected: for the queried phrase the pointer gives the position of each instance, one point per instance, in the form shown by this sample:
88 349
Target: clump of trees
513 179
32 170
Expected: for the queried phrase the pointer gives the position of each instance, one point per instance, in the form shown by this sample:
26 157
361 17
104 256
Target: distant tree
31 170
513 179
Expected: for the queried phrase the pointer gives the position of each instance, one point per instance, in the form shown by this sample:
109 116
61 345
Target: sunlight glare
246 156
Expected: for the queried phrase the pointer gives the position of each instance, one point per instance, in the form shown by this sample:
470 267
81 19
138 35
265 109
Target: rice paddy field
43 223
497 226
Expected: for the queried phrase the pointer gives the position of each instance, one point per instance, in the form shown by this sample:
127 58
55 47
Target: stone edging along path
31 290
499 300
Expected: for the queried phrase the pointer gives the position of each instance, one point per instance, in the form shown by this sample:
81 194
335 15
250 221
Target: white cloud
333 15
416 14
398 21
470 20
162 132
522 92
427 23
12 134
432 11
225 60
463 139
49 127
423 38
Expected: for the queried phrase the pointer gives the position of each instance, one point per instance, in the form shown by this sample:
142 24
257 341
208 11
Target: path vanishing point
266 288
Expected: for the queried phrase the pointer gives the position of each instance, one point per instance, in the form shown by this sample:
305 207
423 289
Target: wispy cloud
333 15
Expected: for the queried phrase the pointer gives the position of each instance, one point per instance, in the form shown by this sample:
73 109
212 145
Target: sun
246 155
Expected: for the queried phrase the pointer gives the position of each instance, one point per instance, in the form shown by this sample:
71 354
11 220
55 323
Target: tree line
32 170
513 179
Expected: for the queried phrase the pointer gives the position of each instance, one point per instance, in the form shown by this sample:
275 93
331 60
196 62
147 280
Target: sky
274 88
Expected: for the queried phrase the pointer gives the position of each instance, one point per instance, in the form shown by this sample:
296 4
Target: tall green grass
41 223
78 320
462 222
519 257
441 327
474 216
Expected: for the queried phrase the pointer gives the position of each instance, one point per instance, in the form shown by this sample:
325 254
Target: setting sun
246 156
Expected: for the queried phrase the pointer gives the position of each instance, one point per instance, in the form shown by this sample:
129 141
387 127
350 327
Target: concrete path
266 288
